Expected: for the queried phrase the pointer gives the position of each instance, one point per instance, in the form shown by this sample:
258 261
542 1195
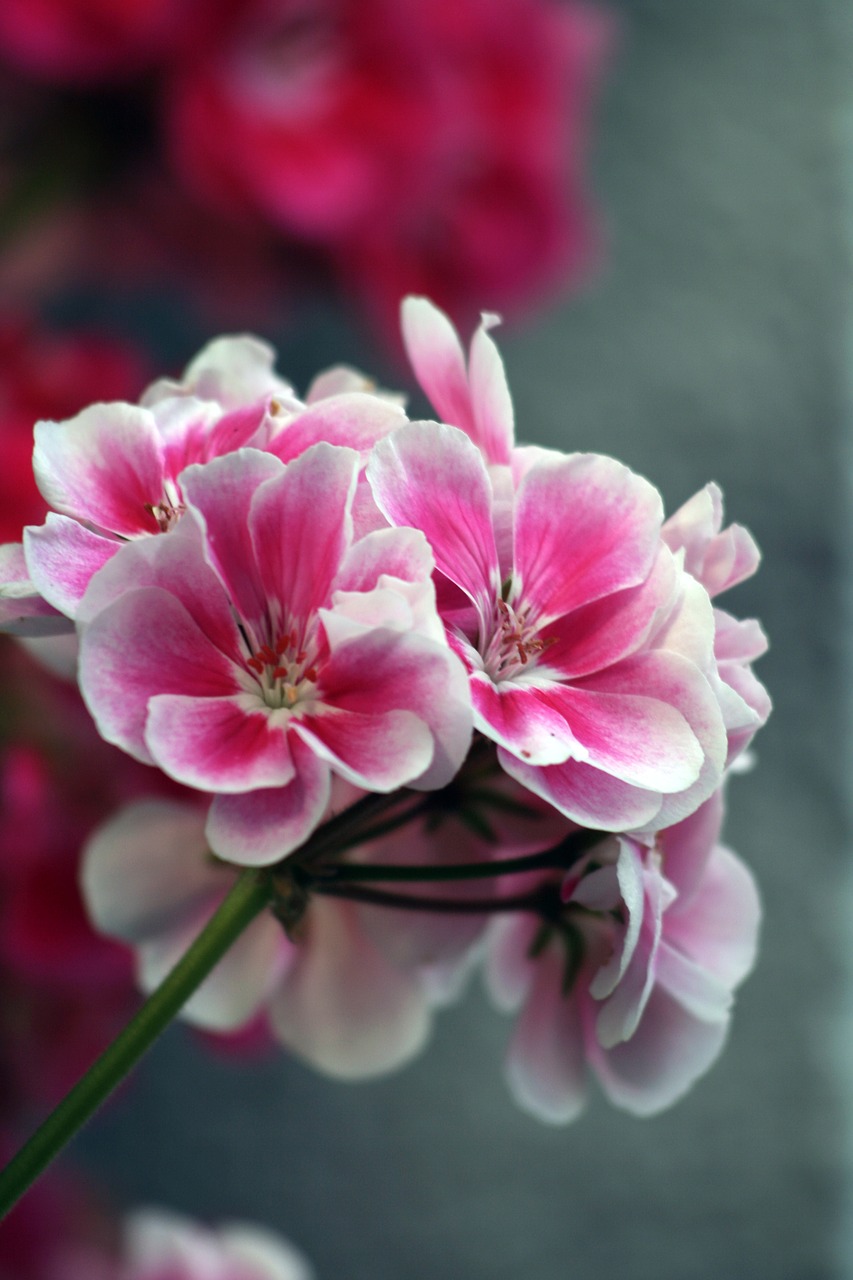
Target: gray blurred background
714 346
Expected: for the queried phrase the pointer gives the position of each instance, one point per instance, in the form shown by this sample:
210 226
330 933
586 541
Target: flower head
261 649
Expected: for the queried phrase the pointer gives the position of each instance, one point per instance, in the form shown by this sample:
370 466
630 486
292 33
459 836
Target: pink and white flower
555 587
260 649
111 474
633 981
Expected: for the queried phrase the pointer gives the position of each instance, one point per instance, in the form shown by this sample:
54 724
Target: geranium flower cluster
386 653
409 146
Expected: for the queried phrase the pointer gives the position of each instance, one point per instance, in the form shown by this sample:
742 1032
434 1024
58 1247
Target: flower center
514 644
284 672
168 511
166 515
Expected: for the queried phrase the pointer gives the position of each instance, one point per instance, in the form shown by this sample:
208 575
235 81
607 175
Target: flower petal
669 1051
63 556
104 466
418 676
642 740
218 744
585 526
718 927
301 528
431 477
588 796
377 752
352 419
148 869
343 1007
519 718
146 643
221 494
235 989
258 828
23 611
546 1062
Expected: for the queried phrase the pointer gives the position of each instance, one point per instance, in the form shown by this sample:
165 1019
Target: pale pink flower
589 652
331 996
110 474
719 559
260 649
165 1246
633 980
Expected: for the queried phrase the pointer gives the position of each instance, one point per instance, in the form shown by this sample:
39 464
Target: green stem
247 899
560 856
544 900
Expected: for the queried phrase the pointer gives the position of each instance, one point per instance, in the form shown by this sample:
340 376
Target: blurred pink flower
165 1246
632 979
427 146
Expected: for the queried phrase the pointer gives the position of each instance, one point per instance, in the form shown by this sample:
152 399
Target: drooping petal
695 988
585 526
239 984
431 477
622 1011
62 557
258 828
343 1006
146 643
258 1254
104 466
718 927
148 869
507 970
628 873
301 528
218 743
668 1052
686 846
546 1063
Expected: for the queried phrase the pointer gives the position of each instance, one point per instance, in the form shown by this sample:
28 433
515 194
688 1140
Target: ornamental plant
415 699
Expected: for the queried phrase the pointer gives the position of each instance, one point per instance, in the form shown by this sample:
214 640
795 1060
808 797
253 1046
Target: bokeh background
710 341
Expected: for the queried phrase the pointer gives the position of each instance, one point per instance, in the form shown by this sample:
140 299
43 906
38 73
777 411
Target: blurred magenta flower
425 147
